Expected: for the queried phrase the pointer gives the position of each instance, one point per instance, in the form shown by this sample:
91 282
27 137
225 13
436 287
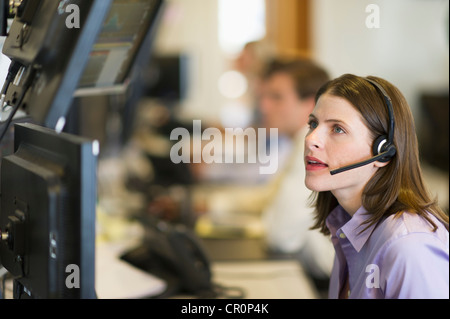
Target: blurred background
410 47
207 55
206 60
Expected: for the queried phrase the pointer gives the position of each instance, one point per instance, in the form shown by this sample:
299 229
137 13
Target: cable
11 115
12 72
13 112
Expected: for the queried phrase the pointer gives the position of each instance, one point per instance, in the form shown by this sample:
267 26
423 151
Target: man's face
280 105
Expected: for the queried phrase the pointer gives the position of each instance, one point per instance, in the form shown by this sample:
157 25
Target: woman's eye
338 129
312 124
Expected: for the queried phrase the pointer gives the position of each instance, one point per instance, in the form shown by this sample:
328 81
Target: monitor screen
51 54
123 34
67 48
47 216
167 77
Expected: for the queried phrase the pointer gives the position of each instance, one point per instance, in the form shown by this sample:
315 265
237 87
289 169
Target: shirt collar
351 226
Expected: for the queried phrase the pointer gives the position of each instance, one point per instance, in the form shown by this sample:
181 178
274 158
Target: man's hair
307 75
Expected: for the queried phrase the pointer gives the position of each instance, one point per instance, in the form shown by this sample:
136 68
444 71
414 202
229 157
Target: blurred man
287 99
279 200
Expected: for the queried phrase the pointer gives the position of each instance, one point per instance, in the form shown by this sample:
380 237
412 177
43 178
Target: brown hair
307 75
398 186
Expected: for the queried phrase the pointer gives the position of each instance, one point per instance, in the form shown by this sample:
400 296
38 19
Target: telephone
174 254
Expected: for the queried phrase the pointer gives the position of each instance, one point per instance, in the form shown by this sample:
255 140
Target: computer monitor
123 43
112 79
51 54
48 186
47 216
167 77
60 59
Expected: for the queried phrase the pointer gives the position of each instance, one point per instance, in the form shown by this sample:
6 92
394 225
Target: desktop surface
245 262
235 249
240 249
265 279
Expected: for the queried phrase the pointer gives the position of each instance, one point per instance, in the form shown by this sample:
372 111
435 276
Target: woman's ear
381 164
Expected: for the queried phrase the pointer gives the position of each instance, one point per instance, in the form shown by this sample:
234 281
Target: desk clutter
145 255
170 261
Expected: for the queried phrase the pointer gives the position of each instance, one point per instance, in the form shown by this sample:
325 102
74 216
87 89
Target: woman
391 240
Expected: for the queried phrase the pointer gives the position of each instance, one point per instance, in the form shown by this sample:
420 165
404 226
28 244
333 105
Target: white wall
410 49
192 27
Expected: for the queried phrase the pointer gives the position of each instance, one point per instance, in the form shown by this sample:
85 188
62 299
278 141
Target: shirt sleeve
416 266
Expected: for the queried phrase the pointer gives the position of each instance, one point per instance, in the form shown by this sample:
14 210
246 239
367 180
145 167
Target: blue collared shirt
399 258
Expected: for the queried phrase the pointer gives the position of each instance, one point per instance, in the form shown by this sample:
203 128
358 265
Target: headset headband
388 101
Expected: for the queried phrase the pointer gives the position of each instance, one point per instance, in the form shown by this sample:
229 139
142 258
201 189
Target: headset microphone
383 147
380 157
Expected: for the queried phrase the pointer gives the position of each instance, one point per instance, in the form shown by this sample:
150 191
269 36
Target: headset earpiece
383 148
379 145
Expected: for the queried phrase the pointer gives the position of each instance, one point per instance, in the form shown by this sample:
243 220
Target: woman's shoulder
412 226
413 260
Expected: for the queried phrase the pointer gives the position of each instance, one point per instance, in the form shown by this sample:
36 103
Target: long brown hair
398 186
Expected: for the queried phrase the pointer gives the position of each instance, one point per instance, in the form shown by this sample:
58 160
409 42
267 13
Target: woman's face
337 137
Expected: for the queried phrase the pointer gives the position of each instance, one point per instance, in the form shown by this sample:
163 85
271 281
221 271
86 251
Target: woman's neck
349 201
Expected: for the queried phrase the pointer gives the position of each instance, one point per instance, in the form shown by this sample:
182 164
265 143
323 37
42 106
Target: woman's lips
314 164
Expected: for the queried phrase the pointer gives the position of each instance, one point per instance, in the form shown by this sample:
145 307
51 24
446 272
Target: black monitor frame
52 55
48 214
136 56
167 77
121 94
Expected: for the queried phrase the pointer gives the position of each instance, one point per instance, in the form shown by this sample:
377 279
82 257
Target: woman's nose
312 140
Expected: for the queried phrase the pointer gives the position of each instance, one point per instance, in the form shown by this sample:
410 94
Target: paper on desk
117 279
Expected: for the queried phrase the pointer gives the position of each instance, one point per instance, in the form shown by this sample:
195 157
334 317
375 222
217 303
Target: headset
383 148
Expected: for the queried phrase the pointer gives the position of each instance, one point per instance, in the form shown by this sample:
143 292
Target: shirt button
342 235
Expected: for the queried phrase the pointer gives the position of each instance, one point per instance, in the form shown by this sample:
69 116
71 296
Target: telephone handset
174 254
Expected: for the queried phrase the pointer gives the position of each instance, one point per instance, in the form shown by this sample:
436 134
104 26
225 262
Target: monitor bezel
140 58
43 242
53 58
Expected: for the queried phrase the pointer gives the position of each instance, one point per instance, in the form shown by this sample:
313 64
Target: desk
235 249
258 278
237 262
246 264
267 279
116 279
